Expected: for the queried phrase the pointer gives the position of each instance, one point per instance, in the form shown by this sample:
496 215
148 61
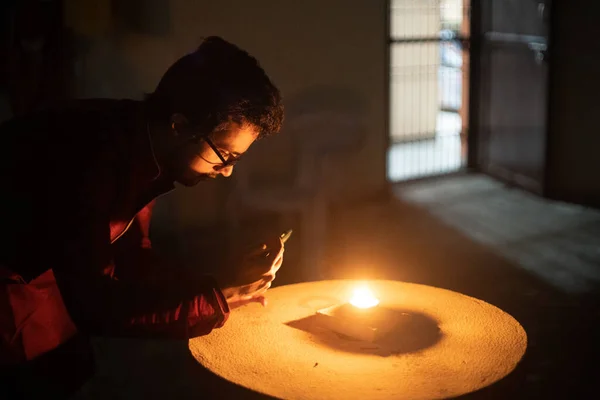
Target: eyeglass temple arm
217 152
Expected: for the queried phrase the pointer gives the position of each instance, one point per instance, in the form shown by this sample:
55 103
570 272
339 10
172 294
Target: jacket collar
149 178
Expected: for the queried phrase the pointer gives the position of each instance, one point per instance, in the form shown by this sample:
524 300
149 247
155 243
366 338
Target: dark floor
537 260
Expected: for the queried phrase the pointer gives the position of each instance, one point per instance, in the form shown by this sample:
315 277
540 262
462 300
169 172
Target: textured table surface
454 344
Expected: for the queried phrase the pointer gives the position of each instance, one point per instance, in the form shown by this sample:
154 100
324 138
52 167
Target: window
428 87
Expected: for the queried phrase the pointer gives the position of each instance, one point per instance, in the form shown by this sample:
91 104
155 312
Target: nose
226 171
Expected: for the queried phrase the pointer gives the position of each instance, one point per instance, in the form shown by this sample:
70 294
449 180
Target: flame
362 297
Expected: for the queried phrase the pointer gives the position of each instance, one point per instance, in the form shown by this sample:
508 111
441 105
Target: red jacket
72 180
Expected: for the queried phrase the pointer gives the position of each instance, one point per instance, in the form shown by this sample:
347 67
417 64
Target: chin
192 179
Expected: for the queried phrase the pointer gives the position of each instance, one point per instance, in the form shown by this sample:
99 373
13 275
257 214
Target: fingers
279 247
257 251
253 293
269 259
259 299
275 247
266 284
258 287
262 300
277 264
270 248
276 258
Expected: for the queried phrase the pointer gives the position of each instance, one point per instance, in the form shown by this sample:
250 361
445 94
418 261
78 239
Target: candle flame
362 297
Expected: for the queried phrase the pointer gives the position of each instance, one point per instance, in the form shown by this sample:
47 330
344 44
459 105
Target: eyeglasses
225 162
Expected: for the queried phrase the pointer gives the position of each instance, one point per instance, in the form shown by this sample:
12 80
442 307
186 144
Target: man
73 180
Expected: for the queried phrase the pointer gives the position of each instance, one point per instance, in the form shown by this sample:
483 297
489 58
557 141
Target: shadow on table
416 332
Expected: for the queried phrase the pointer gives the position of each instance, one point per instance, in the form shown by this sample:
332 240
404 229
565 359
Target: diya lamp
361 317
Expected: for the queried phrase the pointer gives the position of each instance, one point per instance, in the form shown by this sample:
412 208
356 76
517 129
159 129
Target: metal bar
462 39
513 38
387 81
464 109
475 82
417 137
449 109
548 190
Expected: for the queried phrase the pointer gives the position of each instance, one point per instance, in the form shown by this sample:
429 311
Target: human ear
178 123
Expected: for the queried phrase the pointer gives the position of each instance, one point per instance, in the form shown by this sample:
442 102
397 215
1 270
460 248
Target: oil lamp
363 298
361 317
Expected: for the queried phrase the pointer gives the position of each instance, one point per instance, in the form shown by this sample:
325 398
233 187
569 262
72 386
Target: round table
454 344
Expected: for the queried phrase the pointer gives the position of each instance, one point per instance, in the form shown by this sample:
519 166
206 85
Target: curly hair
217 84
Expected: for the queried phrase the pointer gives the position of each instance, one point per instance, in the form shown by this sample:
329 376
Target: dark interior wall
574 139
35 56
322 54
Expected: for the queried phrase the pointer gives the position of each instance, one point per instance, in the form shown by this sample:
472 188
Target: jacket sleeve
178 305
147 267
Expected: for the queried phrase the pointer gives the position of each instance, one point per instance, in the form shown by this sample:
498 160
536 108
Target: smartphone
266 252
286 235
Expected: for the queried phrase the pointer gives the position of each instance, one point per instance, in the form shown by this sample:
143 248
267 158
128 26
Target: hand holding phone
257 271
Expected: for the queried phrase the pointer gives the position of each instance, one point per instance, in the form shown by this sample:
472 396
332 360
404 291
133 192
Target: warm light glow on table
362 297
448 344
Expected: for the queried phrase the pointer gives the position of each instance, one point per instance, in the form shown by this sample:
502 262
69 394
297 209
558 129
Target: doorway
513 92
428 76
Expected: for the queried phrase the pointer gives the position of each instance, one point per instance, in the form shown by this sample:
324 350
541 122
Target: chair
318 137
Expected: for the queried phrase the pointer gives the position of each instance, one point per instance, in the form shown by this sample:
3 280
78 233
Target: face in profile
208 158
